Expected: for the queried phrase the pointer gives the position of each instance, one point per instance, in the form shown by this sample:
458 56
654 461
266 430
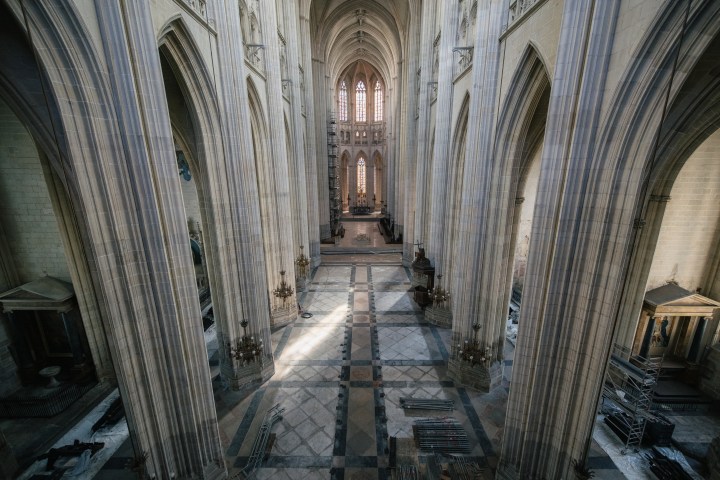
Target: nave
340 375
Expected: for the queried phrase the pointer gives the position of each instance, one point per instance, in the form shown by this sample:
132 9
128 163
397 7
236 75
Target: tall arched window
342 102
361 187
360 95
378 102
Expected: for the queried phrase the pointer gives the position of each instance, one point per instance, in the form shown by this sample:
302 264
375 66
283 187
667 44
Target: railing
351 134
518 9
198 6
462 58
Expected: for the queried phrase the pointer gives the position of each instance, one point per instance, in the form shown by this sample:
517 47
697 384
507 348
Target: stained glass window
360 112
342 102
361 176
378 102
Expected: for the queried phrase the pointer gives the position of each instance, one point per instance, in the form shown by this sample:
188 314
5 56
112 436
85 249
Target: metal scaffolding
629 384
333 176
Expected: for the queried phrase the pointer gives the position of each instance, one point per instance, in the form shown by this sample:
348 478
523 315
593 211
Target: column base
214 471
440 316
479 377
283 316
506 472
238 377
314 254
300 284
324 231
408 254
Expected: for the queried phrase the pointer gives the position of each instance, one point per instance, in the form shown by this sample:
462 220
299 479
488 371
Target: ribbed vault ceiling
346 31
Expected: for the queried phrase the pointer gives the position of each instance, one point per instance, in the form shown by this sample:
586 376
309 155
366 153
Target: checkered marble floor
340 375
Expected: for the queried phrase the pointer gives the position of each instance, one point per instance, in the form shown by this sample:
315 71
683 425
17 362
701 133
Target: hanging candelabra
246 349
438 295
472 352
302 263
284 290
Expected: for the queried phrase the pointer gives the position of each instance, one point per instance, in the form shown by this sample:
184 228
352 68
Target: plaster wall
522 247
543 27
28 222
86 10
691 226
190 200
634 20
27 215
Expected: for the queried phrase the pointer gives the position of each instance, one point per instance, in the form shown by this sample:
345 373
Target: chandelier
283 291
471 351
439 295
246 349
302 263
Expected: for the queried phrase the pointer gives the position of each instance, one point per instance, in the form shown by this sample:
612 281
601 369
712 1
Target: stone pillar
298 150
647 337
322 98
352 182
237 260
139 239
280 249
443 126
476 279
311 149
85 289
409 147
424 134
566 338
73 339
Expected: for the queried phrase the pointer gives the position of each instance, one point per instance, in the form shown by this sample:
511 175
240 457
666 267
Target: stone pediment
674 300
46 293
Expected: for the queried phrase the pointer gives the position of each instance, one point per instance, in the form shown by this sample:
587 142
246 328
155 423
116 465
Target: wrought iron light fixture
472 352
302 263
284 290
439 295
246 349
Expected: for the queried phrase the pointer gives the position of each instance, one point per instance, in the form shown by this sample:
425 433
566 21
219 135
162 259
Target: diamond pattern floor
340 375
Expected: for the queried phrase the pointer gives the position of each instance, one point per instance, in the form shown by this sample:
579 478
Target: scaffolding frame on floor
629 385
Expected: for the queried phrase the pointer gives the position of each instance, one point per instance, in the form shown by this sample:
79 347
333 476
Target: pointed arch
645 155
379 102
455 177
360 101
265 178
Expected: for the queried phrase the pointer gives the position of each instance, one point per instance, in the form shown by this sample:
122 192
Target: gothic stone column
564 343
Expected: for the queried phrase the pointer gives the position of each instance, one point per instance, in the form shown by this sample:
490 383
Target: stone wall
27 215
689 232
30 234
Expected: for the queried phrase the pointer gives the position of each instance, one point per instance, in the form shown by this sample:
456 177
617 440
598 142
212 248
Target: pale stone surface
605 100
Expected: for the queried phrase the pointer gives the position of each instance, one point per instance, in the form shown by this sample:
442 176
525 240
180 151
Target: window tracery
378 102
361 187
360 102
342 102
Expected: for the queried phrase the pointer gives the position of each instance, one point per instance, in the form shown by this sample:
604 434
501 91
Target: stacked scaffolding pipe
407 472
441 435
465 469
272 416
426 404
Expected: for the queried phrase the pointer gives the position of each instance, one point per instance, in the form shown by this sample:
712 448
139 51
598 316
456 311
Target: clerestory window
342 102
378 102
360 99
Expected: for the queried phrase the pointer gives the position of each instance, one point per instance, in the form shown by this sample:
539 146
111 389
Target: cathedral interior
360 239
